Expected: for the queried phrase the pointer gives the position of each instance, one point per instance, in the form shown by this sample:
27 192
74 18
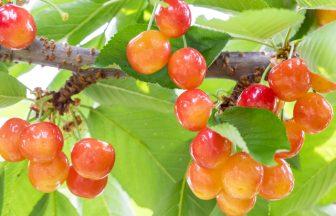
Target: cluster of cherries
41 143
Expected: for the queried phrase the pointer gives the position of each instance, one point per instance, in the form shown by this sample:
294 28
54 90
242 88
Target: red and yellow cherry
325 16
290 80
313 113
47 177
204 183
209 149
258 96
17 27
41 142
295 135
174 20
193 109
187 68
10 134
84 187
235 207
242 176
278 181
92 158
321 84
148 52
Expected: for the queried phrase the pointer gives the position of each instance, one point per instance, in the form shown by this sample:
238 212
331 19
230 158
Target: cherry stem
76 124
185 44
268 68
286 42
29 114
64 15
153 16
291 51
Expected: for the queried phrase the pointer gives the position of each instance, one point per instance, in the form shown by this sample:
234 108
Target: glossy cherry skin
290 80
17 27
242 176
174 20
84 187
148 52
295 135
193 109
321 84
209 149
187 68
258 96
47 177
204 183
278 181
92 158
41 142
324 17
10 134
232 206
313 112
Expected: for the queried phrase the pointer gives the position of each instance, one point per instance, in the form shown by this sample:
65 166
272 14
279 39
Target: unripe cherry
10 141
321 84
232 206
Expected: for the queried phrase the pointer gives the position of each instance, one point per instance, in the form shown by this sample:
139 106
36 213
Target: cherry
41 142
233 206
84 187
204 183
242 176
47 177
258 96
313 113
290 79
187 68
209 149
174 20
325 16
148 52
295 135
193 109
92 158
321 84
17 27
278 181
10 139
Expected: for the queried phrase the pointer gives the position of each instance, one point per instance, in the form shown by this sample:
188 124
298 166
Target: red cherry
174 20
187 68
84 187
193 109
232 206
148 52
17 27
47 177
313 113
258 96
321 84
92 158
41 142
209 149
290 80
10 134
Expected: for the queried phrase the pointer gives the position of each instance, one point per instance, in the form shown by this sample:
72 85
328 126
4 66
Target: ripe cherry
10 139
278 181
187 68
242 176
290 80
148 52
47 177
258 96
84 187
295 135
92 158
325 16
174 20
204 183
232 206
313 113
321 84
41 142
209 149
17 27
193 109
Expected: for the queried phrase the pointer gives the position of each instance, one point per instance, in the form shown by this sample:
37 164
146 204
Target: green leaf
318 49
257 24
11 90
256 131
317 4
235 5
281 3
